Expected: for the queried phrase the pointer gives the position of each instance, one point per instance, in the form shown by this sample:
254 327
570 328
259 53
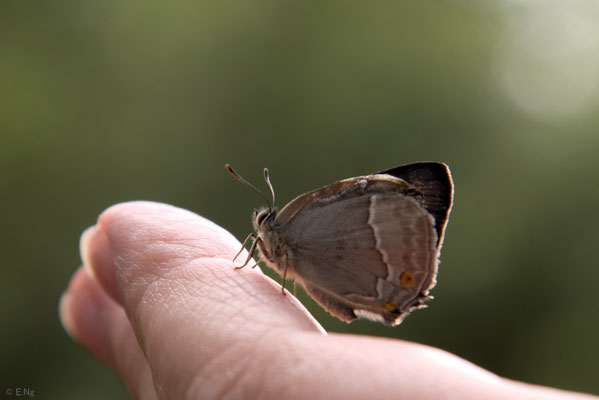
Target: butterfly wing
433 181
363 246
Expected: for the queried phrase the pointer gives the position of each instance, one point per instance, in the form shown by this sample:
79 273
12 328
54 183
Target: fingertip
81 309
131 224
64 314
66 304
98 259
84 240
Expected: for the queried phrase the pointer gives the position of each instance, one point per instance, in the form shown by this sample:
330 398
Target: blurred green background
102 102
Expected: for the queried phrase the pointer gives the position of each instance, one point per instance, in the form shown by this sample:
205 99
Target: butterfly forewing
433 181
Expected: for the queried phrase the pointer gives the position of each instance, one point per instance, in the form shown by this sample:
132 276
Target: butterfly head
263 217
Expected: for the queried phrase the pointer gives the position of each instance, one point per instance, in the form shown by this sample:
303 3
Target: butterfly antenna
240 179
267 179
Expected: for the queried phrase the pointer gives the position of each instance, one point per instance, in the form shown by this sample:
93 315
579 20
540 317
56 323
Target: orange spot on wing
387 306
406 278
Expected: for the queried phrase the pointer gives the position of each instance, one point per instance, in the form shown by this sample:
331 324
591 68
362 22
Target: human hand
158 300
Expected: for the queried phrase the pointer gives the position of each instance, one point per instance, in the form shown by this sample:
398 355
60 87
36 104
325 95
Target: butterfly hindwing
378 259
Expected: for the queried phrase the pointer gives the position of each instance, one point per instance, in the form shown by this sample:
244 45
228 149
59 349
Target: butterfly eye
262 216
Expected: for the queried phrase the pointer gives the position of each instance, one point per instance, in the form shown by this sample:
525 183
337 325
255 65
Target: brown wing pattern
374 251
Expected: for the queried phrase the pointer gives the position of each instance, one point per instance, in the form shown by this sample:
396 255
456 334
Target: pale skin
159 300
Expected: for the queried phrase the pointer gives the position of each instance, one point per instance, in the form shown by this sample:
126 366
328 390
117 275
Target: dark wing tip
433 180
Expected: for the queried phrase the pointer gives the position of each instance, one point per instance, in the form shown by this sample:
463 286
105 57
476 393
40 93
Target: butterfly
364 247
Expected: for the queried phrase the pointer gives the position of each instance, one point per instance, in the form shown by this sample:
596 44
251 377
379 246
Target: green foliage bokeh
102 102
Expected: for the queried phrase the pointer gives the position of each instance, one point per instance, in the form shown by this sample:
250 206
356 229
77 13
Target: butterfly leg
257 262
251 236
255 239
284 258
